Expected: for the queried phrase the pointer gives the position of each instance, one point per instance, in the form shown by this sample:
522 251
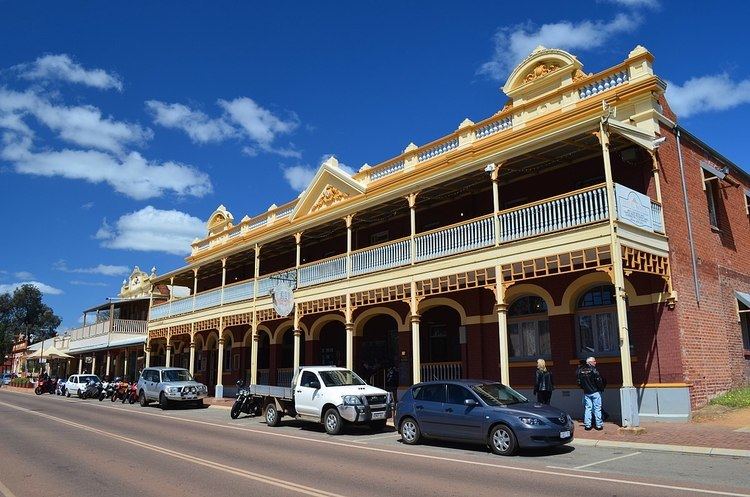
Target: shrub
739 397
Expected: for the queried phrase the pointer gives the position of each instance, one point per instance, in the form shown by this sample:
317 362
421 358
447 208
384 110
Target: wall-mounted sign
633 207
283 299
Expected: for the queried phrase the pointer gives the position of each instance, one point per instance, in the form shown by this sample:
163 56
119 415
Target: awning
743 297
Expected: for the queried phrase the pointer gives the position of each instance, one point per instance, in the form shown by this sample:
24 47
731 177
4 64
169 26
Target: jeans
592 401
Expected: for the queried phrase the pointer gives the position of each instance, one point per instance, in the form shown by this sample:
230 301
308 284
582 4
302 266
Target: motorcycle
108 389
92 390
244 402
45 386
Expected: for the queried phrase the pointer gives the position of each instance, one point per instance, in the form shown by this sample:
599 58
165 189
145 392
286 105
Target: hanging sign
283 299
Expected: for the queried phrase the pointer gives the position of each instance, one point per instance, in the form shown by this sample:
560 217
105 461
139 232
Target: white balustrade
558 214
604 84
320 272
494 127
441 371
440 149
459 238
284 377
381 257
238 292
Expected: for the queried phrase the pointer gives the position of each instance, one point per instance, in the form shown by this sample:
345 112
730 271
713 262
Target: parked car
324 394
168 385
481 412
77 383
6 377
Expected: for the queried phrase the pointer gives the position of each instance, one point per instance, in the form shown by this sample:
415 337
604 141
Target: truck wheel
273 418
333 422
503 441
378 425
410 432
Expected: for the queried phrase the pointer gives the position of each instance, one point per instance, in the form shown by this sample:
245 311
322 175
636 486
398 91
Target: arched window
596 322
528 328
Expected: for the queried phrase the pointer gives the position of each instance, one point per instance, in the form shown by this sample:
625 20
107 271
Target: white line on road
269 480
607 460
438 458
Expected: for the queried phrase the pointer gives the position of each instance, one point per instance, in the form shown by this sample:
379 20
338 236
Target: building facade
578 220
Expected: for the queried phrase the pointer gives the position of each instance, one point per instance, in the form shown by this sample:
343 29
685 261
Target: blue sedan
481 412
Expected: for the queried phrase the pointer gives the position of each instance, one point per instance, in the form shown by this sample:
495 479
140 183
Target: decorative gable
330 186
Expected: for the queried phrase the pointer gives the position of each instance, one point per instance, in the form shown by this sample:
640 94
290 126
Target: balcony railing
564 212
440 370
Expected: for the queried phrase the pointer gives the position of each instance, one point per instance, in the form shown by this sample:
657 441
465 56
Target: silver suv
169 385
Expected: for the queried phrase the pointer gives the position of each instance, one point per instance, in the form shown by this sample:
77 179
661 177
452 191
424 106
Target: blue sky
124 125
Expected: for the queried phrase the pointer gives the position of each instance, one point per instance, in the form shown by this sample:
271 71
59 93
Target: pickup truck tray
282 393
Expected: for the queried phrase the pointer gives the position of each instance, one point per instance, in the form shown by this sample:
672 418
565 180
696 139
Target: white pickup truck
324 394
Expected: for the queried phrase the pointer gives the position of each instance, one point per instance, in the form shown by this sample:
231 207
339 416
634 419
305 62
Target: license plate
378 415
564 434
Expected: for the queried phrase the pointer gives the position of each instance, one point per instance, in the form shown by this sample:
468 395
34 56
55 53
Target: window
458 394
528 329
432 393
379 237
596 322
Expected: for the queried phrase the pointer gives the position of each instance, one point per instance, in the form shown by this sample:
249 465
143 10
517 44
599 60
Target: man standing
593 384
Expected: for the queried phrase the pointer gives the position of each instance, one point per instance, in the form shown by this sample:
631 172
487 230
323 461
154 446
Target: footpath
727 434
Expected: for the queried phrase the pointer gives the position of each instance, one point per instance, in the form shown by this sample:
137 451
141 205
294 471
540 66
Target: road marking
5 491
607 460
269 480
575 469
436 458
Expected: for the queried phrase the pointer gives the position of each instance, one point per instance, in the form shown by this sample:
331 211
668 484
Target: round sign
283 299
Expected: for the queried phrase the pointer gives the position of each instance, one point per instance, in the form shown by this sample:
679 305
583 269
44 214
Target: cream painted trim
430 302
362 319
321 321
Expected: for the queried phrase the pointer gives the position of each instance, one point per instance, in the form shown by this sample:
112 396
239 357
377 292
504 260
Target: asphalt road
55 446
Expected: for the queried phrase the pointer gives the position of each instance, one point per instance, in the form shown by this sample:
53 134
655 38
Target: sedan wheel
503 441
410 433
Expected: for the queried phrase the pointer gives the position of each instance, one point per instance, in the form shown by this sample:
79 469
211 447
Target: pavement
58 446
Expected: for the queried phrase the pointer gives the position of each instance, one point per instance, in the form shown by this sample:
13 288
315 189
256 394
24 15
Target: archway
378 358
333 344
440 344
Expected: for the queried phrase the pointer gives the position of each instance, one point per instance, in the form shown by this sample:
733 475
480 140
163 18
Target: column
219 374
254 356
628 394
192 355
412 199
223 278
501 307
168 350
348 220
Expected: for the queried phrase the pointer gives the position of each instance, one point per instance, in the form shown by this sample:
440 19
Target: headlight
352 400
531 421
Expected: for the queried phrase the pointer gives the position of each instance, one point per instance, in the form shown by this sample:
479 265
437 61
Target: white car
77 383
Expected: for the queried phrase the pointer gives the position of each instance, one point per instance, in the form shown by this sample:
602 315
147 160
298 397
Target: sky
123 125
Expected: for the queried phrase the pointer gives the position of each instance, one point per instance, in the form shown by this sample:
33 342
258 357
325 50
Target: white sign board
634 208
283 299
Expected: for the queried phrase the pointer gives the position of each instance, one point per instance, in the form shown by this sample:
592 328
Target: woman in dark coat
543 385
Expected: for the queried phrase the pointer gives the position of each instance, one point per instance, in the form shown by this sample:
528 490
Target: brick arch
364 317
581 285
443 301
314 333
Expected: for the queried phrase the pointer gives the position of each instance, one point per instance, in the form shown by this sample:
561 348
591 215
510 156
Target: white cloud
707 93
24 275
43 287
151 229
198 126
62 67
514 43
103 269
132 175
80 125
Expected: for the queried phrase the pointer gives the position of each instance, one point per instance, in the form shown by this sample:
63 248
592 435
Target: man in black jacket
592 384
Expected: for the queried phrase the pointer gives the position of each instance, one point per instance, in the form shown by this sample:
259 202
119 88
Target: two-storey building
577 220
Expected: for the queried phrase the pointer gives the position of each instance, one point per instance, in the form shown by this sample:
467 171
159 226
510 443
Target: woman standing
543 385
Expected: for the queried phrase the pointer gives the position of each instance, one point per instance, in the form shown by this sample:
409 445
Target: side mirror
470 403
315 385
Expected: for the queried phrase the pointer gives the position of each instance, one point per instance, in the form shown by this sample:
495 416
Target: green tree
25 313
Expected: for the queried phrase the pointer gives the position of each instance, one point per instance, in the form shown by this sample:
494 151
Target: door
461 421
305 394
428 406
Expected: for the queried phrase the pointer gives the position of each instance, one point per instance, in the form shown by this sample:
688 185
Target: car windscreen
340 378
497 394
176 375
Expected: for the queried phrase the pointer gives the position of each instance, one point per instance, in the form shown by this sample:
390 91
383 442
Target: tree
25 313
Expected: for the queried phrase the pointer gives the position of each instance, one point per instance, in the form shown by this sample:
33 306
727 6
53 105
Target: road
69 447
